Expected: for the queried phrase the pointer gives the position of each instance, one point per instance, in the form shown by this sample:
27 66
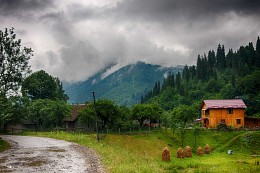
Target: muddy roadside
38 154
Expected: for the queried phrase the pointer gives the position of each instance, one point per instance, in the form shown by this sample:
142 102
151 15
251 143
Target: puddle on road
56 150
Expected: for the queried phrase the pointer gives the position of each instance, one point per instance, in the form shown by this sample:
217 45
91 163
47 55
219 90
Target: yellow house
229 112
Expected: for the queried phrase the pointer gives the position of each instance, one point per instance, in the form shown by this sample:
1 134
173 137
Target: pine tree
186 73
257 63
199 68
178 80
221 61
193 71
211 59
229 58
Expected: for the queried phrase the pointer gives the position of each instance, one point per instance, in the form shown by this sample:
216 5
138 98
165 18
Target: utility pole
95 111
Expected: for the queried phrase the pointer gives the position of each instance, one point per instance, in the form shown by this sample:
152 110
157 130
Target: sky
75 39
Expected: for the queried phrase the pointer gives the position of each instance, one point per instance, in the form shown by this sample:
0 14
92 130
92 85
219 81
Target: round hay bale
199 151
166 154
180 153
207 149
188 152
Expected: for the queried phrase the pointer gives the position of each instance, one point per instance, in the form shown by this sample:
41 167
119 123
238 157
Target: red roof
214 104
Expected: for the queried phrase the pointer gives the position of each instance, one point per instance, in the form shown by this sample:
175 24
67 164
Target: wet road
38 154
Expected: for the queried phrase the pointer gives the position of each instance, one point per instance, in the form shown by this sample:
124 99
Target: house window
223 121
207 112
238 121
230 111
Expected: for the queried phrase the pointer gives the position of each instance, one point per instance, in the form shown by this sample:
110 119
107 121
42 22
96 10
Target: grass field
142 152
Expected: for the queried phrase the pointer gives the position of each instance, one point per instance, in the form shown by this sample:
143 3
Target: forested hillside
217 75
124 86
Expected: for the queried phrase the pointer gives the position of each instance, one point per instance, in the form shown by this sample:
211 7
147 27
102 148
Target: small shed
252 123
229 112
71 122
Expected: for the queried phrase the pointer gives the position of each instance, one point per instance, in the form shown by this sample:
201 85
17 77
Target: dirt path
38 154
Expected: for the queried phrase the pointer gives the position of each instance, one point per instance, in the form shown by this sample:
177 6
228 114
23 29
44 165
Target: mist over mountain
125 86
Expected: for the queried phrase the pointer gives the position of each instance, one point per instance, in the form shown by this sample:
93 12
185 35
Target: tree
166 119
140 112
5 106
107 112
186 73
47 113
41 85
178 80
87 117
156 89
196 133
221 59
211 59
258 52
14 62
182 115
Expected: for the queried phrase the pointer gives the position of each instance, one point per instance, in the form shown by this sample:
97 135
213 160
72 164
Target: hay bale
188 152
180 153
166 154
207 149
199 151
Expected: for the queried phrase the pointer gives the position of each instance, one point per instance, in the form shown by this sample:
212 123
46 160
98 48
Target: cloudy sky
74 39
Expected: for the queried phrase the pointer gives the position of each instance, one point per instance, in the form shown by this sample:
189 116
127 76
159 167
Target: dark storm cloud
75 39
60 25
18 7
79 12
170 10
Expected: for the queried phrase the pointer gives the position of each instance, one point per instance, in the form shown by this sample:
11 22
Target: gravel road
38 154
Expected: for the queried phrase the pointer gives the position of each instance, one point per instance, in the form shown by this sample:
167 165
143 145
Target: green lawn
142 152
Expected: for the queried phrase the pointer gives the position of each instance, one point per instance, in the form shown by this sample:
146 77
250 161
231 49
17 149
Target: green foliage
47 113
108 113
5 107
4 145
182 115
13 62
217 76
41 85
196 132
87 118
13 69
141 112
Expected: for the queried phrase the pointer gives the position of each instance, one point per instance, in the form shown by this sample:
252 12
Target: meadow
141 152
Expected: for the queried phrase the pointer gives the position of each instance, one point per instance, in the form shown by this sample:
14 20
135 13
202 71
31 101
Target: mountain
125 86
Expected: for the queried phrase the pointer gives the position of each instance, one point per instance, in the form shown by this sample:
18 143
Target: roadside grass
4 145
141 152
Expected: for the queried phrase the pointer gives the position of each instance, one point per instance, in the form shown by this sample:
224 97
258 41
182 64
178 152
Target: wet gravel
38 154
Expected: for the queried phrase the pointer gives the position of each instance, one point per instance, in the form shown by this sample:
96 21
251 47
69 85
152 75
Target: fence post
130 129
119 130
107 130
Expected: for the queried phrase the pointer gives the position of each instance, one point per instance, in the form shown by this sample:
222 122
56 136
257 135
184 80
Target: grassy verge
4 145
142 152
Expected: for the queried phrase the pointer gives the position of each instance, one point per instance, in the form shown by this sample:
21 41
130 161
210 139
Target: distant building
71 122
229 112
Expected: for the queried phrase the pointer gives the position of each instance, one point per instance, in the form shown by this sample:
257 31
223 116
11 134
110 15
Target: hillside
125 86
220 75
